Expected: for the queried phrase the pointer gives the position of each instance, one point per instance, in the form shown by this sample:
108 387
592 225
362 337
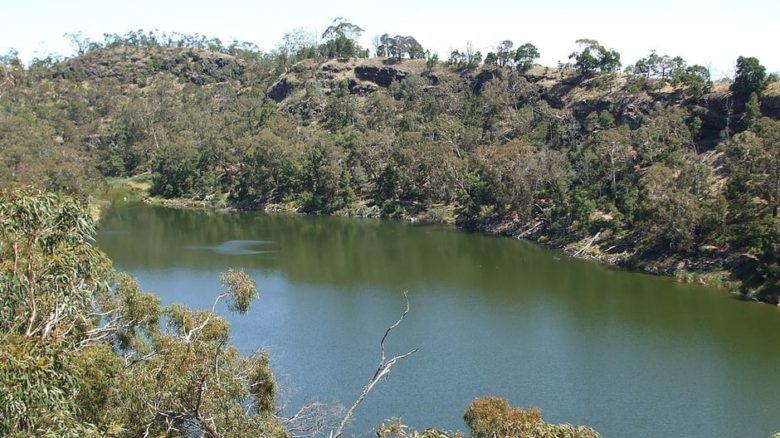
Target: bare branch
311 419
196 330
381 372
389 329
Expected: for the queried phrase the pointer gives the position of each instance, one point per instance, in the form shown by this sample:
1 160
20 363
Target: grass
773 90
141 182
123 189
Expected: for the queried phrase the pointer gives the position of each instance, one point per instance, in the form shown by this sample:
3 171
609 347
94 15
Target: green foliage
80 358
751 78
241 290
504 53
753 195
695 80
394 428
593 57
490 417
664 67
663 136
213 121
431 61
50 269
669 214
262 384
341 109
341 40
273 170
467 60
525 56
399 47
752 112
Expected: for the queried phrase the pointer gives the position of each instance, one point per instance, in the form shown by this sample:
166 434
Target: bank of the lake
627 353
708 268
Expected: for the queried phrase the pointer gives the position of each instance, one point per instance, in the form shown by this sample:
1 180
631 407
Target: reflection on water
630 354
238 247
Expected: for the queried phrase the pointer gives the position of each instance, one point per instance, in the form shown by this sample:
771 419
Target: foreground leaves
83 352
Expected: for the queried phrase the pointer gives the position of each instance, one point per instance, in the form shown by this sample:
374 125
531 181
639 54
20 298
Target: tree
609 60
525 56
490 417
469 59
585 60
342 28
663 137
81 43
595 57
341 40
751 78
504 53
431 59
756 156
457 58
398 47
473 57
493 417
752 112
609 153
84 353
753 194
669 214
296 45
695 79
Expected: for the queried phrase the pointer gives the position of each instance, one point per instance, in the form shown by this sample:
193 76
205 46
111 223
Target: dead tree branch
381 372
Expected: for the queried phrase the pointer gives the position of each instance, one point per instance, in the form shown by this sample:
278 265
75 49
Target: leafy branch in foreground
493 417
83 352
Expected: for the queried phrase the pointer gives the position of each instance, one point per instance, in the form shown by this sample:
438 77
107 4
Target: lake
629 354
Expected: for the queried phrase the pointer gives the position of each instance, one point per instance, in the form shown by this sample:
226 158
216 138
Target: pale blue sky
712 33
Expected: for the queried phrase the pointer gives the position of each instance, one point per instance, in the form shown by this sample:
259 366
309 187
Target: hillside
668 174
564 90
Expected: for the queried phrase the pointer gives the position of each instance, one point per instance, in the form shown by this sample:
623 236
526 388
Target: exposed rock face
335 67
484 77
432 78
362 88
382 76
770 106
580 110
567 93
281 89
135 64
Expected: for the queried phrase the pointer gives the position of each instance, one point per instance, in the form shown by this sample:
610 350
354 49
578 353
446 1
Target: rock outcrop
282 88
382 76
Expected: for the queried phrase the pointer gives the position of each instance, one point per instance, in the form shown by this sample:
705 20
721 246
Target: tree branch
381 372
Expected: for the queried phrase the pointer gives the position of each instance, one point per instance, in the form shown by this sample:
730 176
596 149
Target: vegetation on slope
655 168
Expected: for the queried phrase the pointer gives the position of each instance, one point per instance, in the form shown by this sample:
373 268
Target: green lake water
631 355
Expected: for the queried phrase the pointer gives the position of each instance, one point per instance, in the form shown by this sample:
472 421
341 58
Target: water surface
631 355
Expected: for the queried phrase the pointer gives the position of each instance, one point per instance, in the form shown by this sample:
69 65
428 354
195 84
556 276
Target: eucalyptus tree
594 57
505 54
340 40
525 56
83 352
399 47
751 78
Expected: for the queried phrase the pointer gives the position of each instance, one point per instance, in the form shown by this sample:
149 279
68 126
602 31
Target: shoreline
705 271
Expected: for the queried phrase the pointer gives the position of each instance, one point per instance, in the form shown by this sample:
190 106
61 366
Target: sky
712 33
